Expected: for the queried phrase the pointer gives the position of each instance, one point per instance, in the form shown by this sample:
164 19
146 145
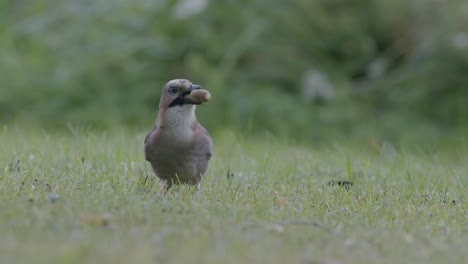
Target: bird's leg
199 183
165 185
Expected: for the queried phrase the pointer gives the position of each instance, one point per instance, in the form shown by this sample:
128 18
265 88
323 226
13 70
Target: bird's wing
204 149
147 143
206 140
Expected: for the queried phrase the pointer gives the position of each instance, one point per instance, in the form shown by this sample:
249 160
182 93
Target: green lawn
85 197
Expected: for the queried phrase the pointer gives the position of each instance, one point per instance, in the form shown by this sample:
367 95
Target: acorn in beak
194 95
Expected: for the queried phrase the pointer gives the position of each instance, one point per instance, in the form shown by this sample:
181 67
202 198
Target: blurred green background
304 69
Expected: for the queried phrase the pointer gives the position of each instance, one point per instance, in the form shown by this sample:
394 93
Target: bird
178 147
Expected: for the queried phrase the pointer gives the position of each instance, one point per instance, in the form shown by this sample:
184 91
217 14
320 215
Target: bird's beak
186 93
194 87
184 97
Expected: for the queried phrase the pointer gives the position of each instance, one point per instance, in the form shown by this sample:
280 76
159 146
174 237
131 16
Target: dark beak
194 87
181 100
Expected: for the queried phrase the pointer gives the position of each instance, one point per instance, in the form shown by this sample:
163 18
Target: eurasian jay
179 147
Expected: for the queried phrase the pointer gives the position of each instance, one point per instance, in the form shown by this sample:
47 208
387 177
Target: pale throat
180 121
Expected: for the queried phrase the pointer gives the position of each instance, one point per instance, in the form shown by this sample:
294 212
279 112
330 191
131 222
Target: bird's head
178 93
177 104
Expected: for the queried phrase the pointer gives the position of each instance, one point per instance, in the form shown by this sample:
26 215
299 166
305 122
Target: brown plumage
179 147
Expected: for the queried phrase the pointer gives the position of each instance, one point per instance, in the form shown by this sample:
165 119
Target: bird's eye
173 90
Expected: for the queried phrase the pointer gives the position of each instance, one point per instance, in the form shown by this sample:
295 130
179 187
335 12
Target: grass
86 197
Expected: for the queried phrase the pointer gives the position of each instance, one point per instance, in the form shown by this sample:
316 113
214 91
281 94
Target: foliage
393 63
